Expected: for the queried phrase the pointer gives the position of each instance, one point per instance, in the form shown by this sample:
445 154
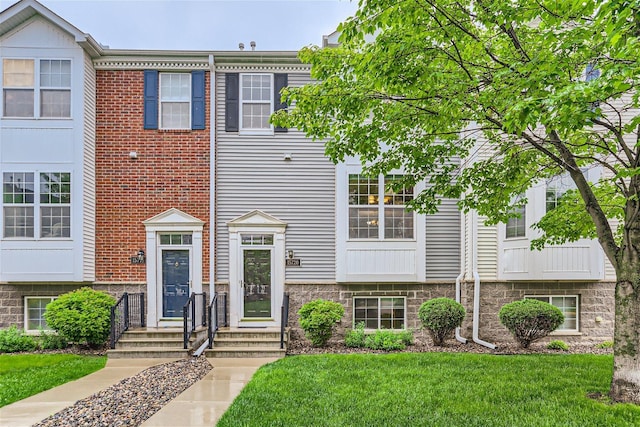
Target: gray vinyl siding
251 173
88 173
443 243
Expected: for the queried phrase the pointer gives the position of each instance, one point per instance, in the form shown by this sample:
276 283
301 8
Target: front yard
431 389
23 375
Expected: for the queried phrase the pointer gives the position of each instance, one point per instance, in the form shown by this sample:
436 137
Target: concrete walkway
202 404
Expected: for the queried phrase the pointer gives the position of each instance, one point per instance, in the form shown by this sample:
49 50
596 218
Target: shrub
384 340
52 341
558 345
81 316
406 336
529 319
13 340
318 319
355 337
605 344
440 316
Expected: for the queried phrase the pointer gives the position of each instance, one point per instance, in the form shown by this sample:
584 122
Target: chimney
241 46
253 45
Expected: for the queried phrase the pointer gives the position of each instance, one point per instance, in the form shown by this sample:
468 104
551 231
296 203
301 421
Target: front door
175 281
257 301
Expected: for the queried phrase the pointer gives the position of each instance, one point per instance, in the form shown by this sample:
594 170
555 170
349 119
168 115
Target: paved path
202 404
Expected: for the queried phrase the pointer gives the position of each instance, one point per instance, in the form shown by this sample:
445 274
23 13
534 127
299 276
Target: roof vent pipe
241 46
253 45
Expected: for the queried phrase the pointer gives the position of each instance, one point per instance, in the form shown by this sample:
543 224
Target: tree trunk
625 385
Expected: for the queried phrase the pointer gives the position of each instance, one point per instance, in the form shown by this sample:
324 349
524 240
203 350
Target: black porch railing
217 315
194 315
126 313
284 318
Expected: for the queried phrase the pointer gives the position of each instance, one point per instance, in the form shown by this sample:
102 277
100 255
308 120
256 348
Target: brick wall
171 171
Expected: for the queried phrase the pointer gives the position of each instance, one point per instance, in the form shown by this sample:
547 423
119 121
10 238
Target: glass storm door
175 281
256 283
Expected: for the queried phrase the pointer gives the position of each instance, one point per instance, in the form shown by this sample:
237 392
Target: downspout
461 275
212 174
476 283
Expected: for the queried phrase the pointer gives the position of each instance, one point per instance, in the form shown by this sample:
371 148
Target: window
34 308
256 101
53 202
516 226
556 188
51 91
176 239
568 305
375 209
175 101
379 312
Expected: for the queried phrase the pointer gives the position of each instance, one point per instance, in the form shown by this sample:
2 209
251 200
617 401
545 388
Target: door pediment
256 219
173 218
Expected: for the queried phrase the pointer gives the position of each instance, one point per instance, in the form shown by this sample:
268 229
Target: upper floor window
36 88
556 188
22 198
516 225
175 101
256 101
376 211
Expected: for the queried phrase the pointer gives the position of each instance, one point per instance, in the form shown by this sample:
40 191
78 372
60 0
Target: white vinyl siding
88 172
443 242
252 173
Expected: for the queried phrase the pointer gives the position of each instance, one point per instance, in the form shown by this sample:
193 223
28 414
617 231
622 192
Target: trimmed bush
82 316
441 316
529 320
355 337
384 339
318 319
52 341
13 340
558 345
605 344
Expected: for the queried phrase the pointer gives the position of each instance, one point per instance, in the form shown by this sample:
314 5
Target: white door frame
172 221
255 223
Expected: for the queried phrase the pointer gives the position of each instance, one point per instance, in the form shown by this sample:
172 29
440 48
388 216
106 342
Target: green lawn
430 389
23 375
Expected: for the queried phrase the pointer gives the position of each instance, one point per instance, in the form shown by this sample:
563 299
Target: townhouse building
159 172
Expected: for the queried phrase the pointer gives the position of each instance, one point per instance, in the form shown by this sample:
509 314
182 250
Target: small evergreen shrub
384 339
355 337
13 340
52 341
318 319
558 345
529 320
81 316
441 316
406 337
605 344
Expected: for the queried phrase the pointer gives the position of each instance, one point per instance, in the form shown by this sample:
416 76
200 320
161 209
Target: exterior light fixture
290 253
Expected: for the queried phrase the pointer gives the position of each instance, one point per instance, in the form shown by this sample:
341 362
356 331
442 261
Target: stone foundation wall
12 297
595 300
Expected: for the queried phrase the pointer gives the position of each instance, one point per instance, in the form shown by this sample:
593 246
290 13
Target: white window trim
37 90
37 205
255 131
562 331
378 298
160 102
26 313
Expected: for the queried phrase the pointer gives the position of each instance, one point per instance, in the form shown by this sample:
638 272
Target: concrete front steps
248 342
153 343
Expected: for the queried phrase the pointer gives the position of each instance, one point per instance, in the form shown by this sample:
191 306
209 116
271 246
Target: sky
203 24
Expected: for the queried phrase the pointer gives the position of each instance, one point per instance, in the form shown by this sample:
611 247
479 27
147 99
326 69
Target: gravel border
133 400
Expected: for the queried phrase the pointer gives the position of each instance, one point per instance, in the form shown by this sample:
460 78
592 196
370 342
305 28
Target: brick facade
172 171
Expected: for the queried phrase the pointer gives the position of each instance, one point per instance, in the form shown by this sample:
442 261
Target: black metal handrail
217 310
194 315
284 318
127 312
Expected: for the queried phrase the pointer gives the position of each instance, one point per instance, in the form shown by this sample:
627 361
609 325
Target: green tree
482 99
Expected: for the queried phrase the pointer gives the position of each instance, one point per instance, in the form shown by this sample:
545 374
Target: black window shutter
232 106
279 81
150 99
197 100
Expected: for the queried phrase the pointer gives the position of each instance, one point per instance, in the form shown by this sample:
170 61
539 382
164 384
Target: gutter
458 292
461 275
212 175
